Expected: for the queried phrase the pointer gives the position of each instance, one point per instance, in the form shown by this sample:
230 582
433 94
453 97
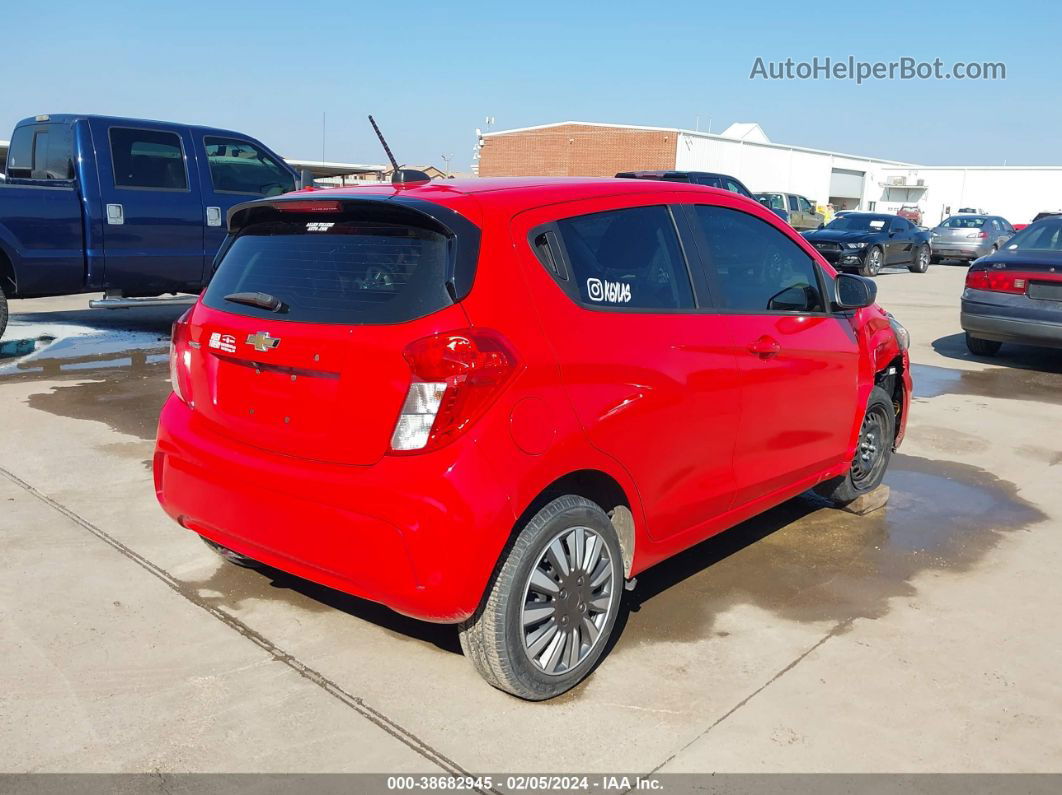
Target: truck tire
547 617
3 312
873 451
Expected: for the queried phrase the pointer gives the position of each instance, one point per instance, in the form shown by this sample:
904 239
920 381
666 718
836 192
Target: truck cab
126 206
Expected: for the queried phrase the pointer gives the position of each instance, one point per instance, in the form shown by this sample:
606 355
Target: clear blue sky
431 71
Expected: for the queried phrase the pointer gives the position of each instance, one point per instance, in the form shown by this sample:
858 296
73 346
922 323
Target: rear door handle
765 346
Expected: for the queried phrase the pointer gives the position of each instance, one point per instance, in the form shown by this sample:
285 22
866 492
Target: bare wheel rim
870 452
923 258
568 600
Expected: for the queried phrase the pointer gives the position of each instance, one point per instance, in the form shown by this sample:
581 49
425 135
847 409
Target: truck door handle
765 346
115 214
213 216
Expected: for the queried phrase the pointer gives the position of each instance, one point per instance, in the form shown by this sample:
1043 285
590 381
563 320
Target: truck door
153 224
235 170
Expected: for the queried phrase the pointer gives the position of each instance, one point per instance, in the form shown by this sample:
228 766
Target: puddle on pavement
804 561
998 382
124 389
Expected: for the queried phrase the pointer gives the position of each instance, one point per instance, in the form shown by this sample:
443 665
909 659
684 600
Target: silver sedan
968 237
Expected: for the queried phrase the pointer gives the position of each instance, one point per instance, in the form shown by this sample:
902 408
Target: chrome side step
115 302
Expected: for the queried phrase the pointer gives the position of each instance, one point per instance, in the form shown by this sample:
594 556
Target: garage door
846 184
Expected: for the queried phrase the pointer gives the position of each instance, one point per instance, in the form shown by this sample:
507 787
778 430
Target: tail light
181 358
981 235
455 377
997 281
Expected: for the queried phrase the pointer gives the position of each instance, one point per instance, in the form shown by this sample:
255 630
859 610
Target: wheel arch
8 279
600 488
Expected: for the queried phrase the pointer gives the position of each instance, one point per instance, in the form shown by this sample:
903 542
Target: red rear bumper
420 534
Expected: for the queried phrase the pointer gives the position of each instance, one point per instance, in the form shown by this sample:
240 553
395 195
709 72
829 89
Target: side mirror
854 292
822 225
305 179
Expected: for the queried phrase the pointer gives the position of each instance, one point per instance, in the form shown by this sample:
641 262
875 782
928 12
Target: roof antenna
399 176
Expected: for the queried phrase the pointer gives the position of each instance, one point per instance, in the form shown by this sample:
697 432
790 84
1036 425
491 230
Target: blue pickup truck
129 207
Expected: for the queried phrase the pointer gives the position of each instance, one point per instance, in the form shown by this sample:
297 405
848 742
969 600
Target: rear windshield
1040 236
330 269
963 222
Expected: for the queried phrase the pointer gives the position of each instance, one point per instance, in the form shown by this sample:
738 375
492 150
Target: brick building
575 149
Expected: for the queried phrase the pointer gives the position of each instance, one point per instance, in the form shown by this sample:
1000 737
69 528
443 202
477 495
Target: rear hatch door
321 375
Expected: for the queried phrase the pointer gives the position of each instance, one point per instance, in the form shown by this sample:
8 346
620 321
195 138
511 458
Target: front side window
805 205
756 267
627 259
148 159
735 187
241 167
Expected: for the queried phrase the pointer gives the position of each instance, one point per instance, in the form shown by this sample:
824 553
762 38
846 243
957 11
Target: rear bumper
1011 318
951 249
420 534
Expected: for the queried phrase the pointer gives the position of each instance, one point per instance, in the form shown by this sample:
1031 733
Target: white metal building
847 181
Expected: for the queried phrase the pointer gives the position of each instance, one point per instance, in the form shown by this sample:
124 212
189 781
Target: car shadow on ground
1022 357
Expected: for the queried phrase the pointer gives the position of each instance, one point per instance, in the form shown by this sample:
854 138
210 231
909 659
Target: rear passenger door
235 170
650 372
153 224
798 363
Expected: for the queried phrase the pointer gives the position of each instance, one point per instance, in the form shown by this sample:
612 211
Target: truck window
147 159
20 155
40 154
241 167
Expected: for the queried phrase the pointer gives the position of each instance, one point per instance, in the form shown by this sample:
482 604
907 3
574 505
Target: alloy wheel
568 600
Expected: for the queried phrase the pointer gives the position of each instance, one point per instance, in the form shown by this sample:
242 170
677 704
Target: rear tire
232 557
873 452
920 260
980 347
549 614
3 312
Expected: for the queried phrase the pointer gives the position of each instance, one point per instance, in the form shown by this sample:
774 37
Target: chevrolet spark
494 402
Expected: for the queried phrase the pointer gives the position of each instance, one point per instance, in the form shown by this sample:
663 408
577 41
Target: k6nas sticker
604 290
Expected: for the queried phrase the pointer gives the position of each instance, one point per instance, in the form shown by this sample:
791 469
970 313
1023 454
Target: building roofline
700 134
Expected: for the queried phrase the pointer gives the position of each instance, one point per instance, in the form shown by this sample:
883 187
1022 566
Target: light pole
446 161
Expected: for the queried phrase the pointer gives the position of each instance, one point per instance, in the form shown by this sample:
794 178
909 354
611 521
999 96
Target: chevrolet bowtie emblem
262 341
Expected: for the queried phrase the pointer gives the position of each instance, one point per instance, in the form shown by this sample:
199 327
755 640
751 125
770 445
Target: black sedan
865 242
1015 294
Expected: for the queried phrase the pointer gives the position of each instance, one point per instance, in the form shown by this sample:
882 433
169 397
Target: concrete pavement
921 638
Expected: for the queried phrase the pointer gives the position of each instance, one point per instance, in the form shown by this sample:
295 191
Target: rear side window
20 155
756 267
335 269
150 159
241 167
627 259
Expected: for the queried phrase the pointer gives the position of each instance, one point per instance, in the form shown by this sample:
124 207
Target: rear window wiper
261 300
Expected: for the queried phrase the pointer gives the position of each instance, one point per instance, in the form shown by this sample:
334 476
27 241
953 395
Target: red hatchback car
492 402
